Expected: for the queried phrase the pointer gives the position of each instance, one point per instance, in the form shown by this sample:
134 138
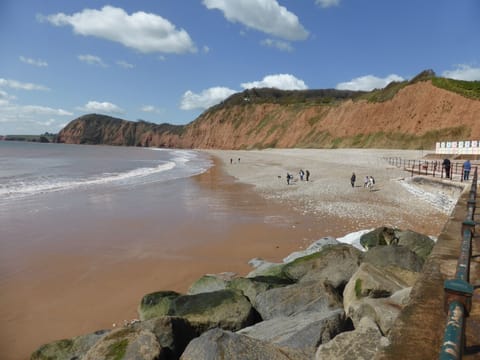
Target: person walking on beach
467 166
307 175
289 177
231 161
446 165
352 179
365 183
301 173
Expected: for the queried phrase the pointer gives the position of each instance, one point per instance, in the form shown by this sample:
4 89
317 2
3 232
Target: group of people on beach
368 183
303 175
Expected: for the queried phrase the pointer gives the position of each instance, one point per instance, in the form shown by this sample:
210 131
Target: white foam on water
44 185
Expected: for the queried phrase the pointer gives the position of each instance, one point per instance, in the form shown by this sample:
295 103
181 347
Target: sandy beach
395 200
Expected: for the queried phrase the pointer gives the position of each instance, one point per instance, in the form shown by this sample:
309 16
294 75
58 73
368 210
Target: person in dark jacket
446 166
352 179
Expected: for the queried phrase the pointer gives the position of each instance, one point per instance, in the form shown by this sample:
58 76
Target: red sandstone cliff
416 116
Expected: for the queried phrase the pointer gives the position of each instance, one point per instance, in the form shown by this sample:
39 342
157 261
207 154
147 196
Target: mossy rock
125 343
420 244
207 283
333 264
156 304
380 236
68 349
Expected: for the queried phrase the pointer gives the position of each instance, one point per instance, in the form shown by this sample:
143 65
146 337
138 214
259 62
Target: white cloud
279 81
102 107
150 109
206 49
205 99
43 110
14 84
463 72
92 60
327 3
278 44
263 15
145 32
125 64
368 82
35 62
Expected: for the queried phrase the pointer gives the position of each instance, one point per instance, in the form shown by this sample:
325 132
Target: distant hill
409 114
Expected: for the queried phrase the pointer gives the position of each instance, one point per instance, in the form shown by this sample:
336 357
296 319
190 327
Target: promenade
419 331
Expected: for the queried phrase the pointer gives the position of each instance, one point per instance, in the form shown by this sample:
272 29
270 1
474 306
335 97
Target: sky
167 61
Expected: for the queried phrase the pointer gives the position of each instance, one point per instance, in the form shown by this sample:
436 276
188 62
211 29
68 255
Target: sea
86 231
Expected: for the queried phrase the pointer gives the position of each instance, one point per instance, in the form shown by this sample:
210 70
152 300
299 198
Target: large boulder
382 311
251 287
304 331
333 265
68 349
228 309
172 333
380 236
218 344
400 256
359 344
420 244
376 282
125 343
293 299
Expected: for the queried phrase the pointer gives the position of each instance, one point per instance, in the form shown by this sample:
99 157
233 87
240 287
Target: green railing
458 291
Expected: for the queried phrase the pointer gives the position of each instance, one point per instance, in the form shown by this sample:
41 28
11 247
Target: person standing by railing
467 166
446 166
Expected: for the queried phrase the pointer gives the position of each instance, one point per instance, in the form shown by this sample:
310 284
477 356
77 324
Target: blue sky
166 61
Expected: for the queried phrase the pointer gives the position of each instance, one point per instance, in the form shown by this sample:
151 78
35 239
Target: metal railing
458 291
430 167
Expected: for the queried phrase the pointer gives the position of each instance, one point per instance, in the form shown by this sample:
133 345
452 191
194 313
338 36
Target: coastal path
420 329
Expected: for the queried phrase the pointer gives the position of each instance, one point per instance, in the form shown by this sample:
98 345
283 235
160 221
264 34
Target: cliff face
417 115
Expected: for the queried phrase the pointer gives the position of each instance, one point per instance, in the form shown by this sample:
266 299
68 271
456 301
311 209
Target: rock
207 283
296 298
125 343
265 268
376 282
400 256
251 287
219 344
380 236
313 248
228 309
359 344
156 304
420 244
333 265
68 349
172 333
382 311
304 331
